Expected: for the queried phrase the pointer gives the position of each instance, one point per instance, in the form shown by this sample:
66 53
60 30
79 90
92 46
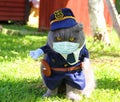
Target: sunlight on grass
20 79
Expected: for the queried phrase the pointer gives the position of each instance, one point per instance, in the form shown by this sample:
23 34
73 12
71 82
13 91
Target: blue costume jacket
74 78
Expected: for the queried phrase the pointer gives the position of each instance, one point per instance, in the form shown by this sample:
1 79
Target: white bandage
86 63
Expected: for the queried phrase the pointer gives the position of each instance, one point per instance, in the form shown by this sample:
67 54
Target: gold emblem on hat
58 15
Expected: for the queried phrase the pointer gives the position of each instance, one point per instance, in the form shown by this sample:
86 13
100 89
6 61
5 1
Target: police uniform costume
64 18
73 78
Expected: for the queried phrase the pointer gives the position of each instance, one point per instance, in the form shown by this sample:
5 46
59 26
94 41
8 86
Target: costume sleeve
86 53
83 53
46 48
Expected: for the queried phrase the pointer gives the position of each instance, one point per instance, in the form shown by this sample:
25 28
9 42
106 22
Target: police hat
62 18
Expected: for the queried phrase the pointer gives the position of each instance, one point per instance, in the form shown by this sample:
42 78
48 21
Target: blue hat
63 18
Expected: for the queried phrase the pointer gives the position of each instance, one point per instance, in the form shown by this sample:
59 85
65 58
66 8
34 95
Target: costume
55 60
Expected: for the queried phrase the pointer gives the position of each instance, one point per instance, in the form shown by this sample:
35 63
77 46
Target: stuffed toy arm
89 77
36 53
86 63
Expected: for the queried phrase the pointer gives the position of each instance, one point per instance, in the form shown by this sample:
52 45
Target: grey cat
66 61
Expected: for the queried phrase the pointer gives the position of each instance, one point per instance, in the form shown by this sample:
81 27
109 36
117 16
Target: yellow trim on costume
62 19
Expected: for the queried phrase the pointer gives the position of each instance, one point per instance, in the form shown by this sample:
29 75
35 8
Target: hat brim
63 24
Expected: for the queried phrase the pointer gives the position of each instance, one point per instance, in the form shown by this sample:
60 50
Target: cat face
73 34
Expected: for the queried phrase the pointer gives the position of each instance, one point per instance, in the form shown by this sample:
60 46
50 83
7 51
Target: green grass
19 27
20 79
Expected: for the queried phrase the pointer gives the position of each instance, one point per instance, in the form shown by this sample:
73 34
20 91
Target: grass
20 79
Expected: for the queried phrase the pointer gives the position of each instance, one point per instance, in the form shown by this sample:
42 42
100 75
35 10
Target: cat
66 59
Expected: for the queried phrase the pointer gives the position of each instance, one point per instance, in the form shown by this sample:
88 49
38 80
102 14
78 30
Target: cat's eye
71 39
58 38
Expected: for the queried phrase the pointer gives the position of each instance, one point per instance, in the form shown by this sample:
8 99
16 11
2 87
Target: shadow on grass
108 83
104 53
13 46
16 29
21 91
31 90
17 26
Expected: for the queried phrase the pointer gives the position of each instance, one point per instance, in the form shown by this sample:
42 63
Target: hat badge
58 15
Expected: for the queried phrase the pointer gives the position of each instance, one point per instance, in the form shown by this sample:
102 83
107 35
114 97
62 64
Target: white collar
76 55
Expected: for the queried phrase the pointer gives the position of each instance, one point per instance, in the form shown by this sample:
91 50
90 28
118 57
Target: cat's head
65 31
73 35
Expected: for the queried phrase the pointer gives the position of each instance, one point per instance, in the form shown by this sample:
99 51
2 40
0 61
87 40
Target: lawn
20 79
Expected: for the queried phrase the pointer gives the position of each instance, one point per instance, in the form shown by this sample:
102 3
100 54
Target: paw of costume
36 53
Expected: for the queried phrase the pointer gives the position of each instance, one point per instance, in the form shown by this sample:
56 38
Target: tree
97 20
114 16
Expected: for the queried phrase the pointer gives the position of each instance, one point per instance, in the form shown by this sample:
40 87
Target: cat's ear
50 38
81 26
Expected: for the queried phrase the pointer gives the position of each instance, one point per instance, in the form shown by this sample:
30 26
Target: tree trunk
114 16
97 20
